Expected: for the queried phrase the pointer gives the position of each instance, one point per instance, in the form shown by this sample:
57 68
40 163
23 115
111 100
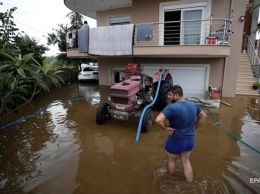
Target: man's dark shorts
179 146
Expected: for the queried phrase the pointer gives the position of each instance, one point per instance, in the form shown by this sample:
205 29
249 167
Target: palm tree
255 7
75 19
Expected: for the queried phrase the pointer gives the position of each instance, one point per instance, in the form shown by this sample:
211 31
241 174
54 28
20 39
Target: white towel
111 40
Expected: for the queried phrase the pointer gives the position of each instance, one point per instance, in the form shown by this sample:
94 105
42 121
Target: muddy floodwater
54 145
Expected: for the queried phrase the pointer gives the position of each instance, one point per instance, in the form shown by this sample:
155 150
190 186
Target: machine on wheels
133 94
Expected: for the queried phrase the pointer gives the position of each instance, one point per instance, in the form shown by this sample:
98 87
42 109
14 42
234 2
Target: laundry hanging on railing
69 40
144 32
111 40
83 40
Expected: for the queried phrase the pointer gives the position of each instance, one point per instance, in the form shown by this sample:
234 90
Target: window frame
119 20
182 6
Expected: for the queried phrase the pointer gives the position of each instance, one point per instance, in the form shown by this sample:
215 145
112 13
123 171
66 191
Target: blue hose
148 106
39 111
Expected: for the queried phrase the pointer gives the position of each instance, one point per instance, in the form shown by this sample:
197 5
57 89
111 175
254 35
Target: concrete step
244 57
244 83
244 69
245 77
245 74
242 88
244 66
243 61
246 80
243 53
248 93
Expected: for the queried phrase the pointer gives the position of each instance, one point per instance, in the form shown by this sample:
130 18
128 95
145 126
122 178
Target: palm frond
256 6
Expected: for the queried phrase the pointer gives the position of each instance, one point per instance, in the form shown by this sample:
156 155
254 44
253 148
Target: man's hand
160 121
169 130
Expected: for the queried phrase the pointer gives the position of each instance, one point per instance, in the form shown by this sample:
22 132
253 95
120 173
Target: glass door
191 29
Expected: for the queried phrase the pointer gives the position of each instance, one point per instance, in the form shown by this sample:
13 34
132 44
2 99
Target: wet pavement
59 148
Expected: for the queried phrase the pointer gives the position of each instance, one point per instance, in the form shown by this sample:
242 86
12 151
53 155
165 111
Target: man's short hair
85 22
176 89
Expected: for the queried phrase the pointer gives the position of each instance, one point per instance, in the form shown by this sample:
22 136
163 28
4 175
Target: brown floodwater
57 147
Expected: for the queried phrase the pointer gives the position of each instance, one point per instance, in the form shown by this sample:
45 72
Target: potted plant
256 85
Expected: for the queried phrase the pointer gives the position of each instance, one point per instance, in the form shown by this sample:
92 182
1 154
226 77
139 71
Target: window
177 32
120 20
90 69
182 22
192 30
173 28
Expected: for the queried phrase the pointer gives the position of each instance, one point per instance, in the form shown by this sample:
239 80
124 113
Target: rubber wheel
162 98
102 113
147 120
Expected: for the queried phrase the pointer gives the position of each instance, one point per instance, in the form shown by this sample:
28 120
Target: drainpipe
230 7
222 84
225 59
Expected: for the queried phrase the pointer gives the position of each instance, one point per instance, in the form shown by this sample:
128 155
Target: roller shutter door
191 79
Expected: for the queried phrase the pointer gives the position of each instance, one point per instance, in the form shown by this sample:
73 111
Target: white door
191 79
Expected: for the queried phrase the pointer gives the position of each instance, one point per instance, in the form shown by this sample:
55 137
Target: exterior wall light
241 18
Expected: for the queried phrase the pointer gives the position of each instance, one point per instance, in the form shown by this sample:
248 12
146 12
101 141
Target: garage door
191 79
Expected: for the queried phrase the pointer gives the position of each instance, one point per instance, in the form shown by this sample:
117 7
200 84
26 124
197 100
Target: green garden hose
219 124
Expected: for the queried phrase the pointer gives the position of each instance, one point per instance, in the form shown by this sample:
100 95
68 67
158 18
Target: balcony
189 38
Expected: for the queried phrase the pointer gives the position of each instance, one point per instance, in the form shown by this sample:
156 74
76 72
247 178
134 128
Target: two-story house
199 41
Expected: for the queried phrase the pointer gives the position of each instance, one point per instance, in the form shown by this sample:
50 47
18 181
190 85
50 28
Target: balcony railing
189 32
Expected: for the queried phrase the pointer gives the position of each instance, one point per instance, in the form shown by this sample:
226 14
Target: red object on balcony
211 40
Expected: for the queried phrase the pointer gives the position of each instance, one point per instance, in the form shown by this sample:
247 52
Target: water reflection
253 110
91 93
62 150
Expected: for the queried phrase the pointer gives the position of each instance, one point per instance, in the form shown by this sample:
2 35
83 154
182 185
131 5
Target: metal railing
253 58
188 32
212 31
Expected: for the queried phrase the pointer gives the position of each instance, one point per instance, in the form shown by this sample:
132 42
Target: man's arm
160 121
200 119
